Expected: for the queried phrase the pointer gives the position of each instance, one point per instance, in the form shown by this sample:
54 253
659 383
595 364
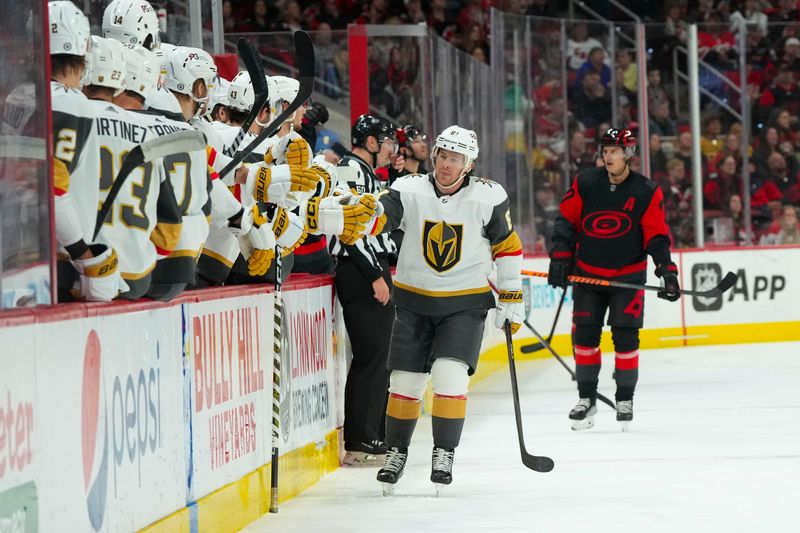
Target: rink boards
119 417
113 417
761 307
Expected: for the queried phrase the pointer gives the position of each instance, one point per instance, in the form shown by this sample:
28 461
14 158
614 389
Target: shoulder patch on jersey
484 181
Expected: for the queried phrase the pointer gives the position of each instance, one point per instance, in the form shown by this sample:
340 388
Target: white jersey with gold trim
131 223
450 243
77 161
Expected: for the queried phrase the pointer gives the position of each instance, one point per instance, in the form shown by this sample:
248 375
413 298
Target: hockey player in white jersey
131 22
86 269
188 174
144 222
457 226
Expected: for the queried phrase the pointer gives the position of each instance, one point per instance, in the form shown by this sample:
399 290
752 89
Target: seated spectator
733 147
329 12
685 148
786 125
293 16
788 229
414 13
780 174
660 121
595 63
658 159
592 104
735 211
579 45
676 177
440 19
469 37
783 92
783 13
630 71
674 22
579 157
763 189
375 12
473 14
791 53
710 143
720 186
702 11
750 14
480 52
655 91
715 44
263 18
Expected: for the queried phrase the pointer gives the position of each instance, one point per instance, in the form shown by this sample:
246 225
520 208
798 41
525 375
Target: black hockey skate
393 469
364 453
442 467
624 413
582 415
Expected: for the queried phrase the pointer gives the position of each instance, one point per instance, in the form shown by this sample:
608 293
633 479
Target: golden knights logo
441 243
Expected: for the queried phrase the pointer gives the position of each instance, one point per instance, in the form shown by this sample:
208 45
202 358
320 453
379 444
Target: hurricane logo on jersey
442 244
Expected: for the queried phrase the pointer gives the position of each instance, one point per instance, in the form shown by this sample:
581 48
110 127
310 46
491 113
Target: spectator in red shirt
720 186
784 91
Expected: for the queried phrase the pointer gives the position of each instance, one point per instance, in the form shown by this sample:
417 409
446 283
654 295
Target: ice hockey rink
714 447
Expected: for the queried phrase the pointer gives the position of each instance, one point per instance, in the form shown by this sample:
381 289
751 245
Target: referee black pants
369 326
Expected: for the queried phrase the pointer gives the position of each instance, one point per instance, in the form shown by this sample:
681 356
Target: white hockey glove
100 279
289 230
509 307
357 217
284 185
290 149
263 250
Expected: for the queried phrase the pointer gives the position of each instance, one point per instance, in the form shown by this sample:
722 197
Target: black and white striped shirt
357 175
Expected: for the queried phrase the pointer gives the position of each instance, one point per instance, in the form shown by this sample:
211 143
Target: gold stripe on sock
445 407
403 409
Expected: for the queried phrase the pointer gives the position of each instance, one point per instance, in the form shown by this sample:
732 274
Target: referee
363 284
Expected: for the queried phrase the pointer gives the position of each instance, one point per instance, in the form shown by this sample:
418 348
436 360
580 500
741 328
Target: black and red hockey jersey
613 226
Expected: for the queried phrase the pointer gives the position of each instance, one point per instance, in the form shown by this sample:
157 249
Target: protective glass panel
25 245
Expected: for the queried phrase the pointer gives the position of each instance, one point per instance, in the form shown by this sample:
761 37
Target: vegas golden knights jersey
450 243
145 220
76 164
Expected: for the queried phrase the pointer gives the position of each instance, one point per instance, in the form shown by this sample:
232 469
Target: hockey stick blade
537 463
174 143
255 68
727 282
304 59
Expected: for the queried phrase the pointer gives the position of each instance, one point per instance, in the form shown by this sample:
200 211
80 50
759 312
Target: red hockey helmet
622 138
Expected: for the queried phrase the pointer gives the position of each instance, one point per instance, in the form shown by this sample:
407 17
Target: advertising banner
228 363
766 290
18 430
111 448
308 377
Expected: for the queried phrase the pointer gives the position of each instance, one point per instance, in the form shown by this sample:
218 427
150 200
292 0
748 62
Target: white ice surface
714 447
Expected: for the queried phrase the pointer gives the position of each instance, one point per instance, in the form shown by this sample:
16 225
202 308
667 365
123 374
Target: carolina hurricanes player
188 174
611 219
457 227
88 270
145 221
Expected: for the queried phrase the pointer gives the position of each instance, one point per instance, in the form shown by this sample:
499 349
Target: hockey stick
538 463
726 283
304 58
174 143
255 67
549 347
276 382
530 348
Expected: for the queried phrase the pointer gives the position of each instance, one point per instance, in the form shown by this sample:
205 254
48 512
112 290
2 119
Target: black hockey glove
560 265
315 113
669 273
